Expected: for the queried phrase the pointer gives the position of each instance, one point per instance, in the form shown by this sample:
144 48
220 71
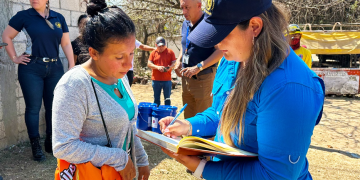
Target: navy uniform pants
38 80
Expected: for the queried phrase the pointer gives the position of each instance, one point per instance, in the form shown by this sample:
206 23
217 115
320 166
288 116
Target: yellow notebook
192 145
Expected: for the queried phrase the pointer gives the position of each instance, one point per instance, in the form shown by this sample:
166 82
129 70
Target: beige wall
12 105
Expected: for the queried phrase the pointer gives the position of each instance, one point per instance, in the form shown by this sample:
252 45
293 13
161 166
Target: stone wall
12 105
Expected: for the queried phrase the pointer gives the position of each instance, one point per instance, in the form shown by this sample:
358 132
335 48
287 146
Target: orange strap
84 171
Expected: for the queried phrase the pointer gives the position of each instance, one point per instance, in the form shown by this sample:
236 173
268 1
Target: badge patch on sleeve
209 7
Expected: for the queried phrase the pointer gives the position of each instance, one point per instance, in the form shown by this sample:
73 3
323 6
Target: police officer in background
196 65
40 68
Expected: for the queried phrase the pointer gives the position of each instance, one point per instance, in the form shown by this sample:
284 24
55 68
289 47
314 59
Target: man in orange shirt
161 61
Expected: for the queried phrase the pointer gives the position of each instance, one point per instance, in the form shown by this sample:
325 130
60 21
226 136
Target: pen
177 115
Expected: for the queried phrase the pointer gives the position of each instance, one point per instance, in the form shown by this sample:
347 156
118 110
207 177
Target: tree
322 11
153 18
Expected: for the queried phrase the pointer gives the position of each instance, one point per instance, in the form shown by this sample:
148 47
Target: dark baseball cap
222 16
160 41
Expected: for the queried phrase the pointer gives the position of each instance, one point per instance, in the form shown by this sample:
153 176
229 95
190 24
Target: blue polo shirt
196 53
45 41
278 123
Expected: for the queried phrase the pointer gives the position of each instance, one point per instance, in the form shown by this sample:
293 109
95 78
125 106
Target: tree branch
151 10
163 5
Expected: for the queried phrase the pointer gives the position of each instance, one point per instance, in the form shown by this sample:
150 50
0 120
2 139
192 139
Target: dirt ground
334 152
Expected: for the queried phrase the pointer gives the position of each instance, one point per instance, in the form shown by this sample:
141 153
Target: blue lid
168 107
159 109
147 104
145 107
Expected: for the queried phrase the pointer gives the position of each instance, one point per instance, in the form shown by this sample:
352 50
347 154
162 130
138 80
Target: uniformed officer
39 67
198 64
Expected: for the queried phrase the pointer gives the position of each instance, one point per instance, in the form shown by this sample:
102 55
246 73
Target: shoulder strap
102 118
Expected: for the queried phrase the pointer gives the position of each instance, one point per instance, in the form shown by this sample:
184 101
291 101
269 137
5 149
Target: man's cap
294 29
222 16
160 41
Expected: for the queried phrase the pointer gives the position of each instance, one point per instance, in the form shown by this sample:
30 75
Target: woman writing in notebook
79 133
266 100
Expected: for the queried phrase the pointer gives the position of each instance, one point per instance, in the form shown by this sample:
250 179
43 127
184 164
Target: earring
253 40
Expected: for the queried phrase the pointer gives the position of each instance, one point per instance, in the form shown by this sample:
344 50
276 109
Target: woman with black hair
39 68
81 52
98 124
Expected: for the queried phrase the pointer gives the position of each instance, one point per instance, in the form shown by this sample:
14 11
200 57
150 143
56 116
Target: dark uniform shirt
196 53
45 41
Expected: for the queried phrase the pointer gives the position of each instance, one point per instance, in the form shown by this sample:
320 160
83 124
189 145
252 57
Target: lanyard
187 41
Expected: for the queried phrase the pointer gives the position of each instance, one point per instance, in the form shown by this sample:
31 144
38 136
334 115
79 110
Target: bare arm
177 66
8 35
146 47
178 60
67 48
151 65
75 58
173 63
212 59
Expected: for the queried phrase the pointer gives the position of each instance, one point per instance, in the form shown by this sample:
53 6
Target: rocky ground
334 152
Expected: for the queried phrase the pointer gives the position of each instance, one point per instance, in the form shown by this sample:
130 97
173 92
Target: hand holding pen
173 127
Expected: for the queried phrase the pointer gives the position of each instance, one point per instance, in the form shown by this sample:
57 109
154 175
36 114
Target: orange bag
87 171
84 171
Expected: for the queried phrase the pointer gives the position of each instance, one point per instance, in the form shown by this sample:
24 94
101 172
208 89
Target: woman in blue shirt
39 67
269 104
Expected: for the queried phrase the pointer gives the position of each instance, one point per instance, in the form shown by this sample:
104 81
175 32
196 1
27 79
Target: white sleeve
137 43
